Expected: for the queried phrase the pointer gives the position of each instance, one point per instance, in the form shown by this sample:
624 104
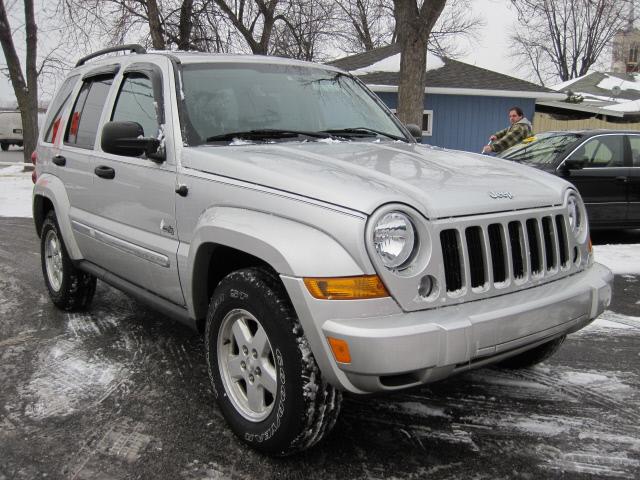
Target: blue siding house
463 104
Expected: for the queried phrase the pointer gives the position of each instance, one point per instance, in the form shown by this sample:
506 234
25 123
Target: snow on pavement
15 192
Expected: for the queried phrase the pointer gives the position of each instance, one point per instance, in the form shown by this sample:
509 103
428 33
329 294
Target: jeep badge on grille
497 195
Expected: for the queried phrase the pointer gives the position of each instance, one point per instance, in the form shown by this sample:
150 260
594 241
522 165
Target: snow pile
392 64
621 259
609 82
15 192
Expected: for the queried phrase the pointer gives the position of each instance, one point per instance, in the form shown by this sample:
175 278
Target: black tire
534 356
304 407
4 146
70 289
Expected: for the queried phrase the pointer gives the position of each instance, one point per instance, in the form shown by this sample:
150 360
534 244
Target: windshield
540 150
275 102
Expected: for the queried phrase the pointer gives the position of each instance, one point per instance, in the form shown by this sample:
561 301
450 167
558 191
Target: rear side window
57 107
82 126
136 103
634 141
603 151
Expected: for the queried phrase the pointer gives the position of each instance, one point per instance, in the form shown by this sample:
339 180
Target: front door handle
105 172
622 179
59 160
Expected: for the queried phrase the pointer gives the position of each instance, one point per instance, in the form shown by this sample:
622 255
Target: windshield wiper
362 132
263 133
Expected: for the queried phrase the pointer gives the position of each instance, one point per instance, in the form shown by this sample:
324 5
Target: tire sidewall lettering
280 411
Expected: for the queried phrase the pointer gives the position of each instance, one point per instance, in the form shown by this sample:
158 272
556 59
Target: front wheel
534 356
265 378
69 288
4 146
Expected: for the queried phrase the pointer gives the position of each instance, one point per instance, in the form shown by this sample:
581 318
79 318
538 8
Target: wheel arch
49 193
228 238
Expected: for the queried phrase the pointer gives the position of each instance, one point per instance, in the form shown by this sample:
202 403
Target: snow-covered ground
15 201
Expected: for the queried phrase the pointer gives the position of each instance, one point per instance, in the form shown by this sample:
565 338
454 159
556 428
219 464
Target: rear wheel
4 146
534 356
69 288
266 380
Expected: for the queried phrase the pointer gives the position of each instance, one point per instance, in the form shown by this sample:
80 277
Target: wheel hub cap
247 366
53 260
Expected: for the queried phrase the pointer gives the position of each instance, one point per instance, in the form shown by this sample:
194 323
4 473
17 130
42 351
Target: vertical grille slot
476 256
452 260
549 235
498 259
534 246
517 257
562 241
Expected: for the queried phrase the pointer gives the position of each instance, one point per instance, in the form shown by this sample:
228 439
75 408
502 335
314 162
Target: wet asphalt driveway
121 392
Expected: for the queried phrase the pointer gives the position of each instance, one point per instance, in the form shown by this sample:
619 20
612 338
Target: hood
362 176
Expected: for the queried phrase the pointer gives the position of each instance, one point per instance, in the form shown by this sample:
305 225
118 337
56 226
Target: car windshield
256 102
540 150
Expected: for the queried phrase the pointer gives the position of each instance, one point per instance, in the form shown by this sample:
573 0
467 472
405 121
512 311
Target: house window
427 122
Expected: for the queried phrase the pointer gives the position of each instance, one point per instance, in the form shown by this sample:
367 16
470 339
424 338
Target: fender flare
291 248
51 187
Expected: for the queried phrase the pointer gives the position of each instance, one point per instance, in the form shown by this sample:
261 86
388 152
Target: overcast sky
491 52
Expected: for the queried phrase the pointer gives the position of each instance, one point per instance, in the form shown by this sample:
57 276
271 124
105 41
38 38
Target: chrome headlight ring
398 240
577 215
394 239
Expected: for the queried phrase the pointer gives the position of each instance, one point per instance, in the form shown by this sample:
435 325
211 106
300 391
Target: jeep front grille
480 257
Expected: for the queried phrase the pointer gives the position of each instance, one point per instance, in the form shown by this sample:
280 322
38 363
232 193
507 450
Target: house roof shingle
454 74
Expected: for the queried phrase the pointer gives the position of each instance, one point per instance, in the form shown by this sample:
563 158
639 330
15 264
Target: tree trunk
155 26
414 26
413 73
186 25
26 91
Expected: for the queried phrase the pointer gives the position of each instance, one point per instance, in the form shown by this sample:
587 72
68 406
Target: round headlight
394 239
575 214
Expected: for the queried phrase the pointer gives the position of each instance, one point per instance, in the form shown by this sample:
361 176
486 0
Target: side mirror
415 131
126 138
573 164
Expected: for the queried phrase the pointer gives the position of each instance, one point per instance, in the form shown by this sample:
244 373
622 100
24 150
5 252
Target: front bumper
391 349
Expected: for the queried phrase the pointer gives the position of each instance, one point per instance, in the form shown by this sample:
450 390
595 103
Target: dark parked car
603 164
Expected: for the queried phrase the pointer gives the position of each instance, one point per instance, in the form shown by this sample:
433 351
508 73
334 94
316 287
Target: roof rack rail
130 47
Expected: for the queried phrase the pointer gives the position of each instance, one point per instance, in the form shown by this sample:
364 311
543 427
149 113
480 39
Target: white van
10 129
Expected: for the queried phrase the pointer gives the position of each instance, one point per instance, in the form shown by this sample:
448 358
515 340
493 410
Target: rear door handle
59 160
105 172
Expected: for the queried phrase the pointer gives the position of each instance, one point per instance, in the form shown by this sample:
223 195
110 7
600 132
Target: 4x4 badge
166 228
497 195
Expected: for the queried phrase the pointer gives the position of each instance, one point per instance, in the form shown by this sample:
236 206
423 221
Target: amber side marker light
590 245
346 288
340 350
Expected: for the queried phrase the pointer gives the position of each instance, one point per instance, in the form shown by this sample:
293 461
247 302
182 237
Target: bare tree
456 23
415 20
253 19
303 30
26 91
365 24
564 38
182 24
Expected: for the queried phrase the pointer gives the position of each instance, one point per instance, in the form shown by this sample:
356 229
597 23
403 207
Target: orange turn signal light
346 288
340 350
590 245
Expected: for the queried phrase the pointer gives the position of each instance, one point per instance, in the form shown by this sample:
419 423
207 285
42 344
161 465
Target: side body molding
291 248
52 188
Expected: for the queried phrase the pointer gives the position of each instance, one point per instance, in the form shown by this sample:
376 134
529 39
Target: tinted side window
56 108
135 103
83 125
634 141
605 151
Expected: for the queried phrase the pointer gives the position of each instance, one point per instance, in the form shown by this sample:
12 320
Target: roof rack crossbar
130 47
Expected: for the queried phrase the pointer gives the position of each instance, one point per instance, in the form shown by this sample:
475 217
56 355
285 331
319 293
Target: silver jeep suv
281 209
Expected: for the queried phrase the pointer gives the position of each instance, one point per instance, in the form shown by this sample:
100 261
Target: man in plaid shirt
519 130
